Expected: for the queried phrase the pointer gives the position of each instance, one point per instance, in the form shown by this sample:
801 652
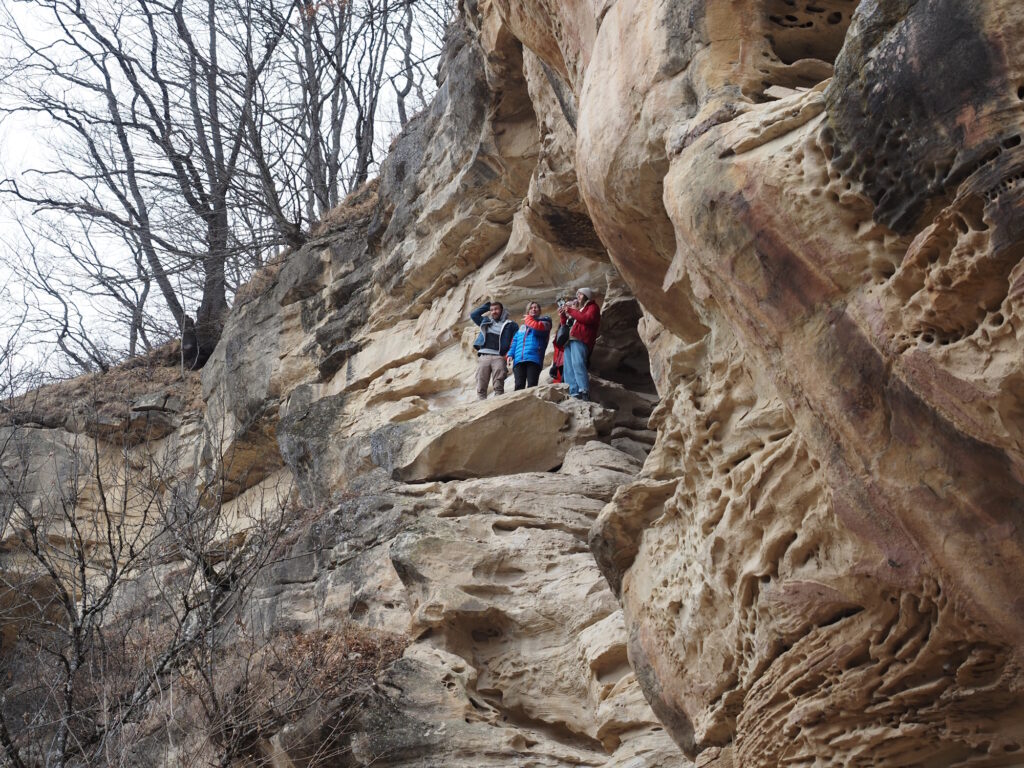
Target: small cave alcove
808 29
803 39
620 356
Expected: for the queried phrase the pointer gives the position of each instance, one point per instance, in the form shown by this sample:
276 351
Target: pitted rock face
817 204
925 95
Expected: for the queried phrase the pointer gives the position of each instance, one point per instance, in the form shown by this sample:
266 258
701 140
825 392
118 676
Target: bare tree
60 600
154 99
202 136
320 114
13 371
122 575
63 320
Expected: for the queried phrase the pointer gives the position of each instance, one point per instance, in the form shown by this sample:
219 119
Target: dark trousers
526 374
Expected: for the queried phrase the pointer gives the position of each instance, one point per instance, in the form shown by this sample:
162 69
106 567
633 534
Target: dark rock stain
904 84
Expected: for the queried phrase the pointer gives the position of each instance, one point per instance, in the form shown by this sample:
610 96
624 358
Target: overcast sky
23 146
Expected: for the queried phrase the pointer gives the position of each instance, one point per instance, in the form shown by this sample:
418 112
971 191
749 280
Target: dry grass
261 281
357 205
108 396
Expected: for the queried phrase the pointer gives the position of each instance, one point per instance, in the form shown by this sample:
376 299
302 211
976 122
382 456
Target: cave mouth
620 356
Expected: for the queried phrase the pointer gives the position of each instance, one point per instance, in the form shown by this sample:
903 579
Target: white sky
18 145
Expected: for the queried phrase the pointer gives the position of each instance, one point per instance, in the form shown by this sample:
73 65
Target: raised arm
537 324
477 315
587 315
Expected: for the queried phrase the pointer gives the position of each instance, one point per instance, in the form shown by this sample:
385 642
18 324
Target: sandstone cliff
790 519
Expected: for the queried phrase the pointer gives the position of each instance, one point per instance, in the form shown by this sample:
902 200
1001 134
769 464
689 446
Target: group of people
502 343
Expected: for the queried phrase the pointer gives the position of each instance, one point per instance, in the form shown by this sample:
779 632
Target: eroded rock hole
807 32
886 271
839 616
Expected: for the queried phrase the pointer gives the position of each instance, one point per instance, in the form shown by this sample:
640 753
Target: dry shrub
261 281
358 205
333 662
235 692
108 396
117 655
314 678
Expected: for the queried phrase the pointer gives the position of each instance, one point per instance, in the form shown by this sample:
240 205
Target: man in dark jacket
491 345
586 317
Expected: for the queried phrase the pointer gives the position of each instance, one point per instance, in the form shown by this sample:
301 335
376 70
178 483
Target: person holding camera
526 354
491 345
586 320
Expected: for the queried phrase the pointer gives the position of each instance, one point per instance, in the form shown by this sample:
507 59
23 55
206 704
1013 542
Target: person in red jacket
558 361
586 317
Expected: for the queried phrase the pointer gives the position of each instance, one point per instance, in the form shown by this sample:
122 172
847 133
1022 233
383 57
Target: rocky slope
790 521
461 523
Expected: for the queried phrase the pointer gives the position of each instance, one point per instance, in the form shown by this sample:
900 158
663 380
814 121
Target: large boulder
503 436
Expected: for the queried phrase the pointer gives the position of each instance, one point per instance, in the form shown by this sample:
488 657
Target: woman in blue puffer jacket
526 353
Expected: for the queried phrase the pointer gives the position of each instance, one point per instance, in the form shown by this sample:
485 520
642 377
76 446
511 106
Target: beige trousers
490 367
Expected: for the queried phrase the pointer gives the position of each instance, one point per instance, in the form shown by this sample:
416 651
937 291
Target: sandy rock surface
786 531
